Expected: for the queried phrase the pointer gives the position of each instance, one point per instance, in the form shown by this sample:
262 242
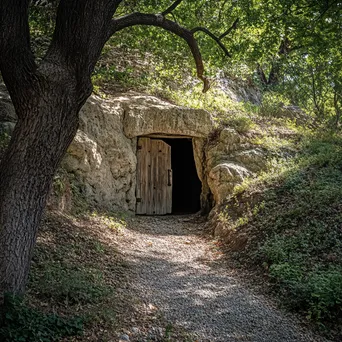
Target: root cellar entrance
167 180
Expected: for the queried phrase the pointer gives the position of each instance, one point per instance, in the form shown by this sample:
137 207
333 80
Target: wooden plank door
154 177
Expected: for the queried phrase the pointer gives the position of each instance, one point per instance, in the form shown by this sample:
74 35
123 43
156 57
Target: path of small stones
178 273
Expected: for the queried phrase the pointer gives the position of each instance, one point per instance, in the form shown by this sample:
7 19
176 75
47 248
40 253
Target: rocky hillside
270 183
269 187
102 158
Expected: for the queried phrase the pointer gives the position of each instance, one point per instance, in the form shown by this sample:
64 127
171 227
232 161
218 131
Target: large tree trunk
47 100
46 126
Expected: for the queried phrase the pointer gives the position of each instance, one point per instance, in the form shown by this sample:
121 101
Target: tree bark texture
47 99
45 128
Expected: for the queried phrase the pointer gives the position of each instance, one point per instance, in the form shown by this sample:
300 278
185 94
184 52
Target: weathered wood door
154 177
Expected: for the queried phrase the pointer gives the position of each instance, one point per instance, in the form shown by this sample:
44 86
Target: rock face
102 157
230 159
146 115
103 154
238 90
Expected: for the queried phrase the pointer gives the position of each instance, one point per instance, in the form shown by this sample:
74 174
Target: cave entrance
167 180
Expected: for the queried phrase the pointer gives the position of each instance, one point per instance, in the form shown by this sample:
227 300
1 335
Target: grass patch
293 220
72 292
23 323
66 283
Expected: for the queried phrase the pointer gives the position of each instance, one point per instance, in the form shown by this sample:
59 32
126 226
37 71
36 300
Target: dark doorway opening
187 187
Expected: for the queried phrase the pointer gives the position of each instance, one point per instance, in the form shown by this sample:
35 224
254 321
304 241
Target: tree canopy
291 47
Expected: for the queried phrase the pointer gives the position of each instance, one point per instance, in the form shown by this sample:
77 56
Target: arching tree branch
233 27
211 35
218 39
168 25
171 8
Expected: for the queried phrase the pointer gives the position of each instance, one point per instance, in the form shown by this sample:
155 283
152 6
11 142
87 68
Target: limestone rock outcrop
224 177
103 153
231 158
102 157
146 115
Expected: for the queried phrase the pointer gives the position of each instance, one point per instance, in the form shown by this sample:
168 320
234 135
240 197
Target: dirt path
178 274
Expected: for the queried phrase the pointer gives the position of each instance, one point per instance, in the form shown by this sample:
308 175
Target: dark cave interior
186 184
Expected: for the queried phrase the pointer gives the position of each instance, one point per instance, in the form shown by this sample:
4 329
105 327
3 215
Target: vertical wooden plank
169 181
150 183
154 151
142 175
161 172
157 176
138 194
161 183
152 207
146 162
154 193
163 176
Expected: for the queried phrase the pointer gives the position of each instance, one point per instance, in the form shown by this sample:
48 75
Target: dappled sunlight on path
179 272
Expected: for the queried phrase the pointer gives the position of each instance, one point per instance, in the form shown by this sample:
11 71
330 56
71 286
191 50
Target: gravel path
179 273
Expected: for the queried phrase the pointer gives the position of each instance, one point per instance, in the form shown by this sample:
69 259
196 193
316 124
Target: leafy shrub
318 293
241 123
271 105
25 324
296 234
325 289
67 284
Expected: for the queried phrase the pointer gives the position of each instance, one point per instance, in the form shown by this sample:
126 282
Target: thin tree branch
218 39
233 27
158 20
174 17
211 35
171 8
327 8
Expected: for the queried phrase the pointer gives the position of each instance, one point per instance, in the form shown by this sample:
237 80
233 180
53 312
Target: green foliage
58 183
271 105
108 74
79 199
75 270
294 44
294 224
278 146
4 139
25 324
318 293
69 193
42 23
241 123
69 284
